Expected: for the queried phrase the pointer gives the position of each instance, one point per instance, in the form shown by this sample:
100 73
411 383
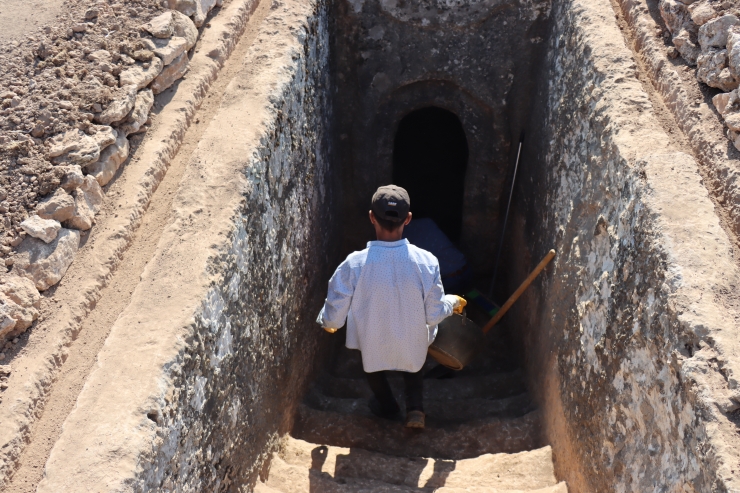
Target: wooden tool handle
523 286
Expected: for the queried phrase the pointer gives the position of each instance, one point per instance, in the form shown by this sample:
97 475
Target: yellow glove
461 302
330 330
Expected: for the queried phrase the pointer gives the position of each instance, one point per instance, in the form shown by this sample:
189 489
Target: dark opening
430 154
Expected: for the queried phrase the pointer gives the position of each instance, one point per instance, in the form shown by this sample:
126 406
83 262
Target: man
392 298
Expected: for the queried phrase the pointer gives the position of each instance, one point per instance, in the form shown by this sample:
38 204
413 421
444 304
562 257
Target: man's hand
459 305
330 330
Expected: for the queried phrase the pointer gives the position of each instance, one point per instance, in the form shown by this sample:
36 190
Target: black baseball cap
391 203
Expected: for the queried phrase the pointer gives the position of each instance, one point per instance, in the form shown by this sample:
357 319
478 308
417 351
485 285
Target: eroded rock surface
171 73
110 160
59 206
46 263
88 199
43 229
19 304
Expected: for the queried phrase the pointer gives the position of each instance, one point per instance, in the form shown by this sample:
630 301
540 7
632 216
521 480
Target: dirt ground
21 17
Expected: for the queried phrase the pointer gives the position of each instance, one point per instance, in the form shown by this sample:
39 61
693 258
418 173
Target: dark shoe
415 419
379 411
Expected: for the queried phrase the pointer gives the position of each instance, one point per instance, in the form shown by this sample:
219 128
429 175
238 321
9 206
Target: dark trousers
414 383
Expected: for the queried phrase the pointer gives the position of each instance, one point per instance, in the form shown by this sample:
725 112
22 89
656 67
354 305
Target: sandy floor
21 17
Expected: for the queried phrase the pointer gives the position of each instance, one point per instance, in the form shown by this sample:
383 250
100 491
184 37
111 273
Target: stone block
73 177
140 113
88 199
185 28
186 7
110 160
171 73
46 263
733 52
724 102
19 302
119 107
713 34
202 7
713 70
43 229
674 14
77 147
139 76
161 26
702 12
169 49
60 206
686 47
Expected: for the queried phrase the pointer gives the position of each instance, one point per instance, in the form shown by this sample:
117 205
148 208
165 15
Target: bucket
458 341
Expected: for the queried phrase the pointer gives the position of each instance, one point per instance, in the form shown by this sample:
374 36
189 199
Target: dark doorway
430 154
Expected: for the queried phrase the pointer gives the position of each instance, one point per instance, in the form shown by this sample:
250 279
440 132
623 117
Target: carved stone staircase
483 435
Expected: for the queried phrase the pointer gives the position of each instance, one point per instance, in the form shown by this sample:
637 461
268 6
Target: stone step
454 441
261 487
495 386
441 411
528 470
287 478
497 356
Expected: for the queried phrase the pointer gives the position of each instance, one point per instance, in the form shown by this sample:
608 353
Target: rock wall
211 356
630 336
475 59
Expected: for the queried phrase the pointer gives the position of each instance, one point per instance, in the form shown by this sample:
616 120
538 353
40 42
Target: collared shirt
392 298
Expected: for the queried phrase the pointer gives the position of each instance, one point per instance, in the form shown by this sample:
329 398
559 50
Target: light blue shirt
392 298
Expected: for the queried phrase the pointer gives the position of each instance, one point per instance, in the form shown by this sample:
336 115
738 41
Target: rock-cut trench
225 383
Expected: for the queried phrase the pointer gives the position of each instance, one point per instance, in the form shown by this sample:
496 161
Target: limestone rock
187 7
74 146
733 52
73 177
724 102
674 14
161 26
732 120
46 263
77 147
20 302
119 107
140 76
60 206
702 12
169 49
686 47
171 73
713 70
88 199
735 138
202 7
713 34
110 160
7 323
185 28
43 229
104 135
140 113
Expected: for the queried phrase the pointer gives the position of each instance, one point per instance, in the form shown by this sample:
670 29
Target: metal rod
506 218
523 286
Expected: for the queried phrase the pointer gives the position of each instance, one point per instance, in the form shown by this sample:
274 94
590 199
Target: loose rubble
706 34
71 95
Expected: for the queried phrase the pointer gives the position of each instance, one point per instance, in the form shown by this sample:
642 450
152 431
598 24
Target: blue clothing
392 298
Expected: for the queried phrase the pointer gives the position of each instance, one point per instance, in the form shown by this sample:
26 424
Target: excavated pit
217 359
